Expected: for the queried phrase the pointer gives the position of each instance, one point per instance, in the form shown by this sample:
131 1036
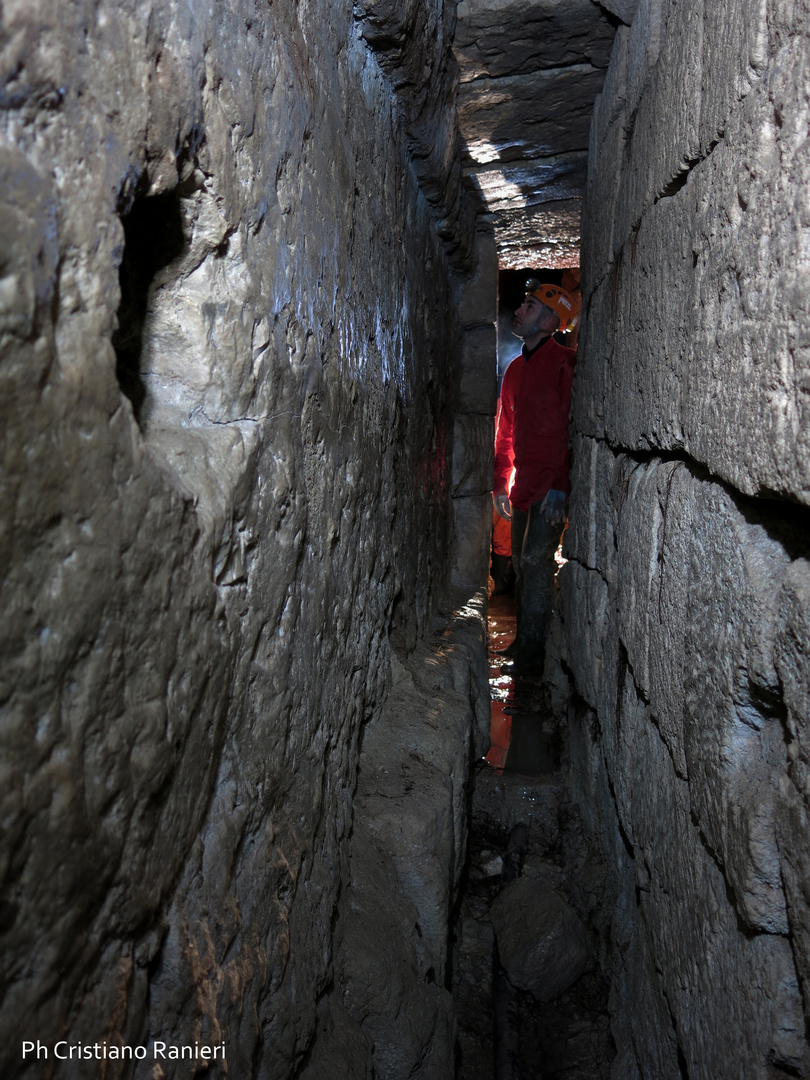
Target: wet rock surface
684 592
228 348
562 1031
407 852
568 1035
529 76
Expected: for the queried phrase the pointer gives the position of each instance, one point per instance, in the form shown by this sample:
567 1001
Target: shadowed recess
153 238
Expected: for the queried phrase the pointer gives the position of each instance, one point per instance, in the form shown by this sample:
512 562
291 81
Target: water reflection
523 735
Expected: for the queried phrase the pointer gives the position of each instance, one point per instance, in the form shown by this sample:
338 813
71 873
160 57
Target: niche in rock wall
153 238
192 340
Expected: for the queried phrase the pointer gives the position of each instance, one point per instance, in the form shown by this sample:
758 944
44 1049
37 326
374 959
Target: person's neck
532 344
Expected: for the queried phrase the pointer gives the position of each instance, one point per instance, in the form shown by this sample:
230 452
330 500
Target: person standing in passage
532 437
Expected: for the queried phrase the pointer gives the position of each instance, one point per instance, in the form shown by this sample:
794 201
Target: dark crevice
768 703
322 997
784 519
642 872
535 71
640 695
687 167
683 1068
781 1068
656 724
8 915
153 238
591 569
622 666
648 456
612 17
628 846
750 933
580 713
678 182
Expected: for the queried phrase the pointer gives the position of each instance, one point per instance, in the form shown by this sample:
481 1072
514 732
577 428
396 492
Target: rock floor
524 779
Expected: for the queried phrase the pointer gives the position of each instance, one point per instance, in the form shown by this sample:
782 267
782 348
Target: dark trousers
534 542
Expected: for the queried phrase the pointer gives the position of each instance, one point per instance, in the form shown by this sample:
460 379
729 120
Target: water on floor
523 736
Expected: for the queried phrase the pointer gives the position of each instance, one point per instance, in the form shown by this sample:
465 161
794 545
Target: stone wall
529 76
474 426
227 249
687 590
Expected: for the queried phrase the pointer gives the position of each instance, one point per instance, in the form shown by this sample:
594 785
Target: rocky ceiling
530 70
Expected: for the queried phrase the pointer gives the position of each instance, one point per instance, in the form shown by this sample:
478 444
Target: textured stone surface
505 37
500 124
528 79
476 389
541 942
731 999
472 517
569 1036
677 597
556 228
695 585
473 438
412 41
201 575
792 662
684 599
407 852
739 290
622 9
478 303
536 183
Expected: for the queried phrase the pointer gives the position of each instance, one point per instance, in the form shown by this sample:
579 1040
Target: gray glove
503 506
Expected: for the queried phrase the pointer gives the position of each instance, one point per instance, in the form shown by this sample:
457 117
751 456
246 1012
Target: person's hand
555 507
503 506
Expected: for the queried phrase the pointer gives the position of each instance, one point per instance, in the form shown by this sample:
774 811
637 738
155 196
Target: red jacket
532 430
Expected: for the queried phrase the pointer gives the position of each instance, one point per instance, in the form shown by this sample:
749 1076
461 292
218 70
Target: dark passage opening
153 238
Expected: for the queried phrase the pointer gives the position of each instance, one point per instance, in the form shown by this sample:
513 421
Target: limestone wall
687 590
223 492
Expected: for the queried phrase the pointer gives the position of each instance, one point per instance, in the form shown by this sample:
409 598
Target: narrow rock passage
524 779
501 623
523 733
250 261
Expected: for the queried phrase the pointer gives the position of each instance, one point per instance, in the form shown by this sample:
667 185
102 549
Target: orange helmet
562 303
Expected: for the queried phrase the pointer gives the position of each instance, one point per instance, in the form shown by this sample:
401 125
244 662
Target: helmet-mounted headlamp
562 303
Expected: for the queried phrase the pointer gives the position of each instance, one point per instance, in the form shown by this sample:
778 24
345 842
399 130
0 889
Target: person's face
533 318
